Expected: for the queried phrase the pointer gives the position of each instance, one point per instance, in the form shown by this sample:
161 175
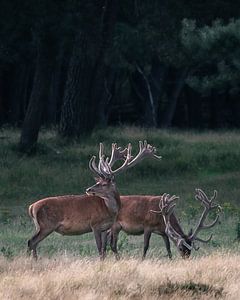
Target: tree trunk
2 109
102 85
194 108
150 118
57 86
149 89
86 95
33 117
76 106
18 98
172 100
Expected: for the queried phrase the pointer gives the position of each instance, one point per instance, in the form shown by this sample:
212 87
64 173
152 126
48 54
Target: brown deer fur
70 215
135 218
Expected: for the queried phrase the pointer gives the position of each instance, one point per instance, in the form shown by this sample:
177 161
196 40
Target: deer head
185 243
105 186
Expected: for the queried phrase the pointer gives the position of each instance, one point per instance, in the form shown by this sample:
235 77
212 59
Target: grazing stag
96 211
185 243
135 217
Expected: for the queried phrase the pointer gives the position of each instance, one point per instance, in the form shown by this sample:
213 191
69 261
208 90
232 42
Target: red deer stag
185 243
136 217
96 211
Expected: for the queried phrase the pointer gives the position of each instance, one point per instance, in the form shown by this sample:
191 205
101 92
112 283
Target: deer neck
112 201
176 225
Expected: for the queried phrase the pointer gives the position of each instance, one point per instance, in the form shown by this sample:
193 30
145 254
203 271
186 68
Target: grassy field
215 276
206 160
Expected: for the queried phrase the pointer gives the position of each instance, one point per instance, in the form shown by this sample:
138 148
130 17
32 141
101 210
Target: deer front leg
116 228
98 239
167 244
104 236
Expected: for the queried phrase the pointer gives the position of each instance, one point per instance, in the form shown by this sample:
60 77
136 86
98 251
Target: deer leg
98 239
37 238
104 243
114 239
147 235
167 244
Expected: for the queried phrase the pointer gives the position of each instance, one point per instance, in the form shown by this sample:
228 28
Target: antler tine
102 165
145 150
204 241
127 157
208 206
117 154
166 205
161 205
200 195
102 169
105 165
101 148
93 167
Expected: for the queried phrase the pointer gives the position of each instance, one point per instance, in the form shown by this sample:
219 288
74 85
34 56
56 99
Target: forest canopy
78 65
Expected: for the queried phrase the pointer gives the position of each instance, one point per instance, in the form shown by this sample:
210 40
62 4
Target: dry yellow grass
215 276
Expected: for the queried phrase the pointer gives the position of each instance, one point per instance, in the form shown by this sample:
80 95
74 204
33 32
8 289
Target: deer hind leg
38 237
147 236
168 246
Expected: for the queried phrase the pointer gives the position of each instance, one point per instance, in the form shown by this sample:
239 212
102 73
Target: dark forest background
77 65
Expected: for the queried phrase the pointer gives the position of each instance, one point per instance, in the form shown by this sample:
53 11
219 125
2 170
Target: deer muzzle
89 191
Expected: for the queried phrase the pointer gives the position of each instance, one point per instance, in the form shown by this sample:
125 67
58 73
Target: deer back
135 209
71 214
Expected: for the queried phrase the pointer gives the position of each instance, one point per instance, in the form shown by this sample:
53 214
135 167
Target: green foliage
238 231
123 241
213 53
7 252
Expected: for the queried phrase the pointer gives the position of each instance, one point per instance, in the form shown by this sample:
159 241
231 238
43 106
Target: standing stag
136 216
96 211
185 243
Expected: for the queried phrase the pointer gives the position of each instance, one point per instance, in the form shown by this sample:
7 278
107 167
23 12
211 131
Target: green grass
207 160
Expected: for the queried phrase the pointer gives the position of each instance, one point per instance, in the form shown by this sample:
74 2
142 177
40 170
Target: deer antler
117 154
145 150
166 206
208 206
104 168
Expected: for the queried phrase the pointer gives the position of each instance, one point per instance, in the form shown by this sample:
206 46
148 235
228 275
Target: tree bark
194 108
86 95
33 117
57 86
172 100
18 98
101 87
76 107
